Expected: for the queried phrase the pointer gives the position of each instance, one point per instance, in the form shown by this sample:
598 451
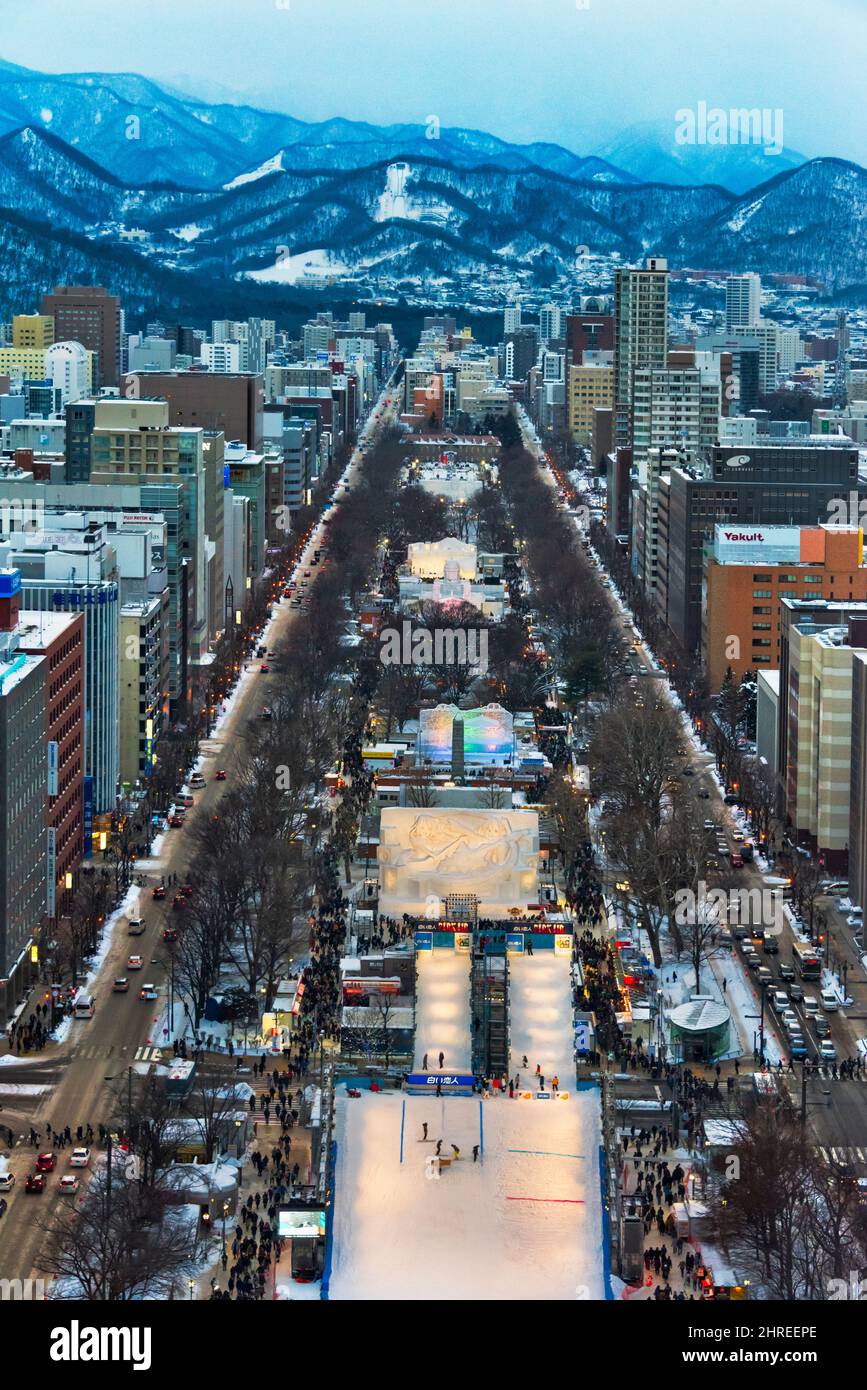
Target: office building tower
640 333
90 316
743 301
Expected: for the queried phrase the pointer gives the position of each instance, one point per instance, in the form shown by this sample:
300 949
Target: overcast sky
522 69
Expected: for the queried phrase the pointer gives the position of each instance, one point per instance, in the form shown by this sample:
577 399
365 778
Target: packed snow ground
442 1019
525 1222
540 1016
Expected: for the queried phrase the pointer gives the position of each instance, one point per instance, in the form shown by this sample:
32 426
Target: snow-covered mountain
98 188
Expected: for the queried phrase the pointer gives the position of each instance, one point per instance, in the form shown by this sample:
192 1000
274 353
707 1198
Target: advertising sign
447 1081
50 870
752 544
300 1225
87 817
53 783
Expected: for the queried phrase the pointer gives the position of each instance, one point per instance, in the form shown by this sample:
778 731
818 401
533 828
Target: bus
807 960
83 1005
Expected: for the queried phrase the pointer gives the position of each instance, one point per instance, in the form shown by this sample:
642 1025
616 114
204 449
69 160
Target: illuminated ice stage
489 735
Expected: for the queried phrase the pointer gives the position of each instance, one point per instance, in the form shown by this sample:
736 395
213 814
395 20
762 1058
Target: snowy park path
442 1020
540 1017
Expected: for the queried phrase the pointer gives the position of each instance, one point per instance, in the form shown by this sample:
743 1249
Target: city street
121 1033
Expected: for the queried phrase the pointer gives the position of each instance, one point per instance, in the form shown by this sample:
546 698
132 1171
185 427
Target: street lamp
191 1284
225 1214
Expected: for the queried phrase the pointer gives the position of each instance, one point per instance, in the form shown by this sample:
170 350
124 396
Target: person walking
424 1062
439 1147
475 1153
442 1059
423 1132
555 1082
456 1151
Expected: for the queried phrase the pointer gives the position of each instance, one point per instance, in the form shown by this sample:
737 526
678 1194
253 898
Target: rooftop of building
37 630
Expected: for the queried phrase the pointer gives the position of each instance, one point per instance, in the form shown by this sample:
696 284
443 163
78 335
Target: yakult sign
769 545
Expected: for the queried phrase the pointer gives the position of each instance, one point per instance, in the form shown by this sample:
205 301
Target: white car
79 1158
134 963
7 1182
69 1183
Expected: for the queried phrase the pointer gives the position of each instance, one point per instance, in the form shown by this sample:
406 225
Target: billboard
751 544
306 1224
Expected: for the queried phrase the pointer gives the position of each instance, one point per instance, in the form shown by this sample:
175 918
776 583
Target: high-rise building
640 332
743 301
59 638
551 321
23 788
32 330
143 684
232 404
589 387
87 314
511 319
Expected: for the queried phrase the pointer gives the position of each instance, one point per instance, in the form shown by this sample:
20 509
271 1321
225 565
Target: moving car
35 1182
148 992
796 993
220 776
771 946
120 986
134 963
7 1182
46 1163
827 1050
780 1000
798 1050
736 860
69 1183
787 972
264 668
197 781
170 935
821 1025
136 926
176 822
179 902
79 1158
159 891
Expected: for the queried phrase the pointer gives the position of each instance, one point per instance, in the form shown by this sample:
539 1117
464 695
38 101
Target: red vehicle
46 1163
187 890
176 822
170 934
736 860
264 668
220 776
179 901
159 891
35 1182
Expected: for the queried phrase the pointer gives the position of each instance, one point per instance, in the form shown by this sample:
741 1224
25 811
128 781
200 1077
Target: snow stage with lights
524 1219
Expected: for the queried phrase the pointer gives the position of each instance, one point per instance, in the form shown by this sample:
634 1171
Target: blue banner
447 1081
515 941
424 941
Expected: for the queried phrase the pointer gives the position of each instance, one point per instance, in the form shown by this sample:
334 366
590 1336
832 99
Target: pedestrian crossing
91 1051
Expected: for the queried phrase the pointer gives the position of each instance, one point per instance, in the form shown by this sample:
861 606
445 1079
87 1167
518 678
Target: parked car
197 781
780 1000
7 1182
830 1000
